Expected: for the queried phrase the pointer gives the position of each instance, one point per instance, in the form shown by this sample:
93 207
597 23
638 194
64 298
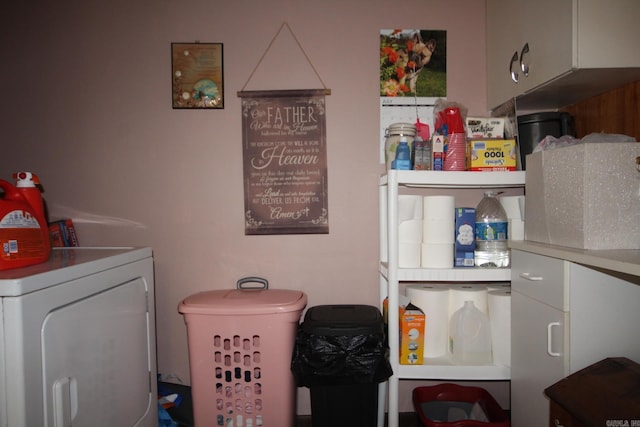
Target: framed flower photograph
413 63
197 75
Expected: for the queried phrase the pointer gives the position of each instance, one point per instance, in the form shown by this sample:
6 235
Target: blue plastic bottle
403 155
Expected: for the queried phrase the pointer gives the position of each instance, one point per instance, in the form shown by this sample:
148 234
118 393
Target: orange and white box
412 327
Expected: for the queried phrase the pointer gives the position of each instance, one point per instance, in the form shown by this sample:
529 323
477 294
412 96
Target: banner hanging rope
284 24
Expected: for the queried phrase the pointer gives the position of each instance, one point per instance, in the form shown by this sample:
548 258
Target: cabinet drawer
539 277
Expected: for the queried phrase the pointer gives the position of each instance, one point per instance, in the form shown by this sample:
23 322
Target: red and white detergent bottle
24 232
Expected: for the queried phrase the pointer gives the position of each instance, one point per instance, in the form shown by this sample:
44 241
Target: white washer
77 340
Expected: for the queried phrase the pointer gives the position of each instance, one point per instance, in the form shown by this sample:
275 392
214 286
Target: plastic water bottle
470 336
491 233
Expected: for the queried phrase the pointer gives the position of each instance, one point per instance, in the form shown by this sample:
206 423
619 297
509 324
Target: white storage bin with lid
240 346
584 196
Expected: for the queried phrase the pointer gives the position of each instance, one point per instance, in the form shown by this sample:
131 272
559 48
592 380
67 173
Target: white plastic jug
470 336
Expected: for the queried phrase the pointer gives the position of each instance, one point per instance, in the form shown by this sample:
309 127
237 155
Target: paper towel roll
511 205
459 293
438 230
409 207
499 302
515 229
409 255
439 207
437 255
433 300
499 286
410 231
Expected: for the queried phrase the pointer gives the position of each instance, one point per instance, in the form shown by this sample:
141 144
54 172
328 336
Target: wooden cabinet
561 418
564 317
604 393
552 53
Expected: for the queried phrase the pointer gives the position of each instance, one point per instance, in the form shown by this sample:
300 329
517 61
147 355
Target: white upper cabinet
552 53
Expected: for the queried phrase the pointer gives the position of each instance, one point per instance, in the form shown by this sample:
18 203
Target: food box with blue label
465 242
491 155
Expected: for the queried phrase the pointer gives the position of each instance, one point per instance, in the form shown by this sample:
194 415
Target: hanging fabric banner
285 162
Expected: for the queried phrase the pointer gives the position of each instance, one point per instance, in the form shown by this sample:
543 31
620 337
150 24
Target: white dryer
77 340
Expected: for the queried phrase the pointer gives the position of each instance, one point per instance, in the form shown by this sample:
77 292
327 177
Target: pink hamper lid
244 300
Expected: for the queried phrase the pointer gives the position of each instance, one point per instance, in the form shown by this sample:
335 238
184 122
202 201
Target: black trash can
341 355
533 128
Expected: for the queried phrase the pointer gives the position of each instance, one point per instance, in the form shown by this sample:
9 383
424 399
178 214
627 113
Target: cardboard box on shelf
485 127
412 324
465 241
491 155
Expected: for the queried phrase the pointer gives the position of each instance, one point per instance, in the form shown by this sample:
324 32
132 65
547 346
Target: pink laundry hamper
240 346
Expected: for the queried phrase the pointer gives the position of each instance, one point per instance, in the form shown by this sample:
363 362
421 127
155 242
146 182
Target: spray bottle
24 232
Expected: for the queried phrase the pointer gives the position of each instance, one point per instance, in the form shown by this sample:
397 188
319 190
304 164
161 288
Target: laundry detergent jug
24 232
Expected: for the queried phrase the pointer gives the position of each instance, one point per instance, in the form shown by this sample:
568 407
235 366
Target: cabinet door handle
549 340
65 401
523 65
528 276
512 72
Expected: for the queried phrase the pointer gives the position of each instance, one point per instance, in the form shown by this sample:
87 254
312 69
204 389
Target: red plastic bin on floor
447 393
240 345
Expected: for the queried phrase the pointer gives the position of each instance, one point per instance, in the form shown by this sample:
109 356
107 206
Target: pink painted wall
86 105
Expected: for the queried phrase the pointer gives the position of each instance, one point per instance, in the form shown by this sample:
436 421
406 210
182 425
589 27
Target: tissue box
584 196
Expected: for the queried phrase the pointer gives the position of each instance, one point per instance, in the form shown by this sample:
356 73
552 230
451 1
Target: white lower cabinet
533 368
564 317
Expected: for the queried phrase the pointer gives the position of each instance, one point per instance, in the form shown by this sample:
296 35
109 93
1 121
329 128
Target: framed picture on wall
197 75
413 63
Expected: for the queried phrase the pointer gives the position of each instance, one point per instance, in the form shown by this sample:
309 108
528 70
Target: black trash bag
340 359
